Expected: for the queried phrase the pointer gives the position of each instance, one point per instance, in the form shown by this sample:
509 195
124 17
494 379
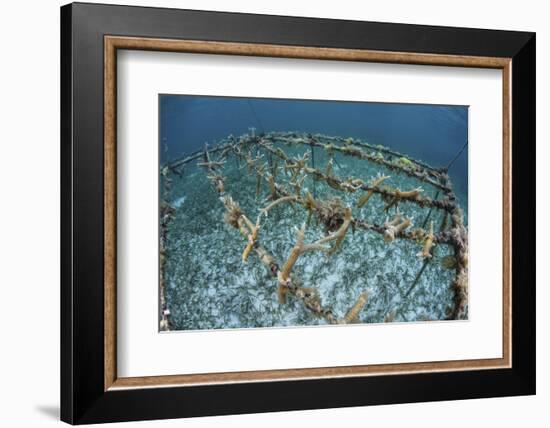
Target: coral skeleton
373 184
265 210
408 194
353 313
251 241
287 176
428 243
395 226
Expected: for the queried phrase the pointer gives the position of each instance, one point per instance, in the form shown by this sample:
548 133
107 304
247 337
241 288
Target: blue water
432 133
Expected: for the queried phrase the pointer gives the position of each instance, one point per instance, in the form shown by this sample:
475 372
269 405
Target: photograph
295 213
267 211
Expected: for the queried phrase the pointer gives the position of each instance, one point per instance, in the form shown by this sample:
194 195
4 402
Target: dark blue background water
434 134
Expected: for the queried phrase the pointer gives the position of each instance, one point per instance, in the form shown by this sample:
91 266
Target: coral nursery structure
344 232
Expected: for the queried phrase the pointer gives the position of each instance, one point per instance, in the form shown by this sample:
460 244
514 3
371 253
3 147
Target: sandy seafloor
209 287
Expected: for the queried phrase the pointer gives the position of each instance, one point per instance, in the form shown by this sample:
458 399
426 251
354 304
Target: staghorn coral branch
282 291
310 203
252 162
403 225
410 194
413 196
273 187
250 232
236 218
301 248
373 185
267 259
259 177
248 223
217 181
286 284
340 234
296 183
353 313
428 243
233 211
295 165
284 273
251 241
418 233
273 204
394 227
328 171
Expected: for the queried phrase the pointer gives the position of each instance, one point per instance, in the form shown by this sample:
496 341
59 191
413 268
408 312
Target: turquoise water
207 286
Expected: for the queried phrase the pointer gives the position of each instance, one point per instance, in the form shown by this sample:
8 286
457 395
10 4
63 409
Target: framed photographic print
265 213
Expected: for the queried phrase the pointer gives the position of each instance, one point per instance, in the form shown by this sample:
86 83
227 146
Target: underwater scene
283 212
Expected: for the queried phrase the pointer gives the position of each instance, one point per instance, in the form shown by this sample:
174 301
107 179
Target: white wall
29 217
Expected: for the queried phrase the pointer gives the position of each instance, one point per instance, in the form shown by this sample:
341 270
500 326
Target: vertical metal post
312 150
